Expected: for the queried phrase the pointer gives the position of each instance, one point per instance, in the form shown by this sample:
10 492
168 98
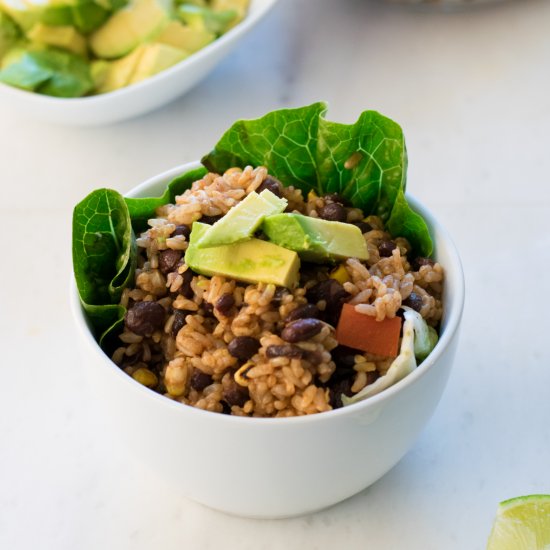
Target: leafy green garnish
143 209
104 256
49 71
365 162
405 222
104 248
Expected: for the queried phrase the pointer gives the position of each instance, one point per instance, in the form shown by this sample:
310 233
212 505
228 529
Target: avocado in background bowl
75 48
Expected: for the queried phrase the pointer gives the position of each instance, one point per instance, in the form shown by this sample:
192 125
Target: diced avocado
21 13
198 17
118 73
252 261
57 15
240 223
184 37
316 240
9 33
85 16
65 37
48 71
139 21
156 58
240 6
89 16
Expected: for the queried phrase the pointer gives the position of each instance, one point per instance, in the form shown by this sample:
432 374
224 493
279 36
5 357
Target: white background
471 90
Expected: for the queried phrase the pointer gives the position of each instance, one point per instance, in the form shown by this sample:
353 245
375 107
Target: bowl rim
453 323
258 9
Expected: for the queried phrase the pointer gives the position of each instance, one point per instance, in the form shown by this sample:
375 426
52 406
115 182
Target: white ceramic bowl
141 97
277 467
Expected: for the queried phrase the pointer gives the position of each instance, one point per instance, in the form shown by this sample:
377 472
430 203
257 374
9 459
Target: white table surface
471 90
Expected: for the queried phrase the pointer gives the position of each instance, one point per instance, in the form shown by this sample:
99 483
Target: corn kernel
312 195
340 274
146 377
240 375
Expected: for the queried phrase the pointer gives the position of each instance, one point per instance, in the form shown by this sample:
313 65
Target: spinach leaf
365 162
104 256
141 210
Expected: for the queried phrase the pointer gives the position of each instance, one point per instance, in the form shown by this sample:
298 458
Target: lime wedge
522 523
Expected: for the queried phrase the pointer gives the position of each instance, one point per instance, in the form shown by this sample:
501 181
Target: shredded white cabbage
425 337
418 340
402 365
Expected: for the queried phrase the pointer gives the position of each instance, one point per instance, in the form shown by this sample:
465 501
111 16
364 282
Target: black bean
235 395
334 295
335 197
185 288
344 358
364 227
144 318
414 301
301 329
303 312
285 350
224 304
179 320
280 293
338 388
271 184
314 357
385 248
210 220
333 211
243 347
183 230
420 261
200 380
169 260
208 309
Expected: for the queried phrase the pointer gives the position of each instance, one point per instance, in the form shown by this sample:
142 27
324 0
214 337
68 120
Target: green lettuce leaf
142 209
365 162
104 256
405 222
105 253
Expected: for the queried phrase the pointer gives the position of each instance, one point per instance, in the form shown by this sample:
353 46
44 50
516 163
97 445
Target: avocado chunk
84 15
239 6
9 33
316 240
24 15
199 17
48 71
138 22
113 75
189 39
154 59
64 37
241 221
252 261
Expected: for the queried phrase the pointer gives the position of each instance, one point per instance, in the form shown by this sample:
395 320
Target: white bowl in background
276 467
138 98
